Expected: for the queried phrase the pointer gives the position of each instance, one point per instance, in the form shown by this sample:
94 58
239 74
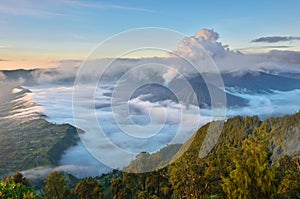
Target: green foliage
239 166
16 187
146 162
56 187
289 177
33 143
89 188
118 189
244 163
252 175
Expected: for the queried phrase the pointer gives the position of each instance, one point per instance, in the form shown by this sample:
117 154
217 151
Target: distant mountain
290 75
258 82
202 90
248 82
36 76
254 81
154 92
22 75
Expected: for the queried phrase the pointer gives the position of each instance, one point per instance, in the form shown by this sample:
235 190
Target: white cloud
207 34
58 100
170 75
200 49
205 42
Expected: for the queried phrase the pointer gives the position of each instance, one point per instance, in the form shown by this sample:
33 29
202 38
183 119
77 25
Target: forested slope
251 159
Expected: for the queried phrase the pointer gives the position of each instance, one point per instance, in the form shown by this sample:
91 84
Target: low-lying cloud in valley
171 121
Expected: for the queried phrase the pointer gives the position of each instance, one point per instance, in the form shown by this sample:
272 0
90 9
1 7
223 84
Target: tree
186 177
252 175
157 184
89 188
118 189
18 178
289 178
55 187
16 187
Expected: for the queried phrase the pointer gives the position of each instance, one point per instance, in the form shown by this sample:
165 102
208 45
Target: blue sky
38 33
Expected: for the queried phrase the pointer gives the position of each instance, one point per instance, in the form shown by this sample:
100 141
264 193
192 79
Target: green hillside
27 141
251 159
33 143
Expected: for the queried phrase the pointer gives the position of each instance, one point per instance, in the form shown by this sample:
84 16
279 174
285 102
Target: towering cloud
204 39
205 42
200 48
207 34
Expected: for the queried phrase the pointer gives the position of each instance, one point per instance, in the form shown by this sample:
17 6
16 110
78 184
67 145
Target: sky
37 34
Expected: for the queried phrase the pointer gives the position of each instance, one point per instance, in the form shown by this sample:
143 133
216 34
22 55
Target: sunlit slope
283 134
27 141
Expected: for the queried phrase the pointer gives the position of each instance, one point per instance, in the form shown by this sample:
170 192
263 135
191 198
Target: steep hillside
283 132
251 159
33 143
27 140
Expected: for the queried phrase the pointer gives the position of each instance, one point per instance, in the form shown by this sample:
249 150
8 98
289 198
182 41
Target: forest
251 159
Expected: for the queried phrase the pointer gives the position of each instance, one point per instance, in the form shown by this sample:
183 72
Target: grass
33 143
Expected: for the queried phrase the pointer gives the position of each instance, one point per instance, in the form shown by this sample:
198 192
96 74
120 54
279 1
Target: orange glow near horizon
23 60
13 65
40 60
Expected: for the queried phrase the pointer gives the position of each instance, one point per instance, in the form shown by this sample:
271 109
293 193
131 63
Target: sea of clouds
125 126
170 123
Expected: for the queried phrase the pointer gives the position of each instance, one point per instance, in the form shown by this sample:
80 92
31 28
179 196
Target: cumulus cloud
207 34
196 48
201 49
170 75
204 47
275 39
205 43
204 39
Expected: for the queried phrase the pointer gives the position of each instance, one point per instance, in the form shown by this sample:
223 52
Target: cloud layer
202 50
275 39
205 42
